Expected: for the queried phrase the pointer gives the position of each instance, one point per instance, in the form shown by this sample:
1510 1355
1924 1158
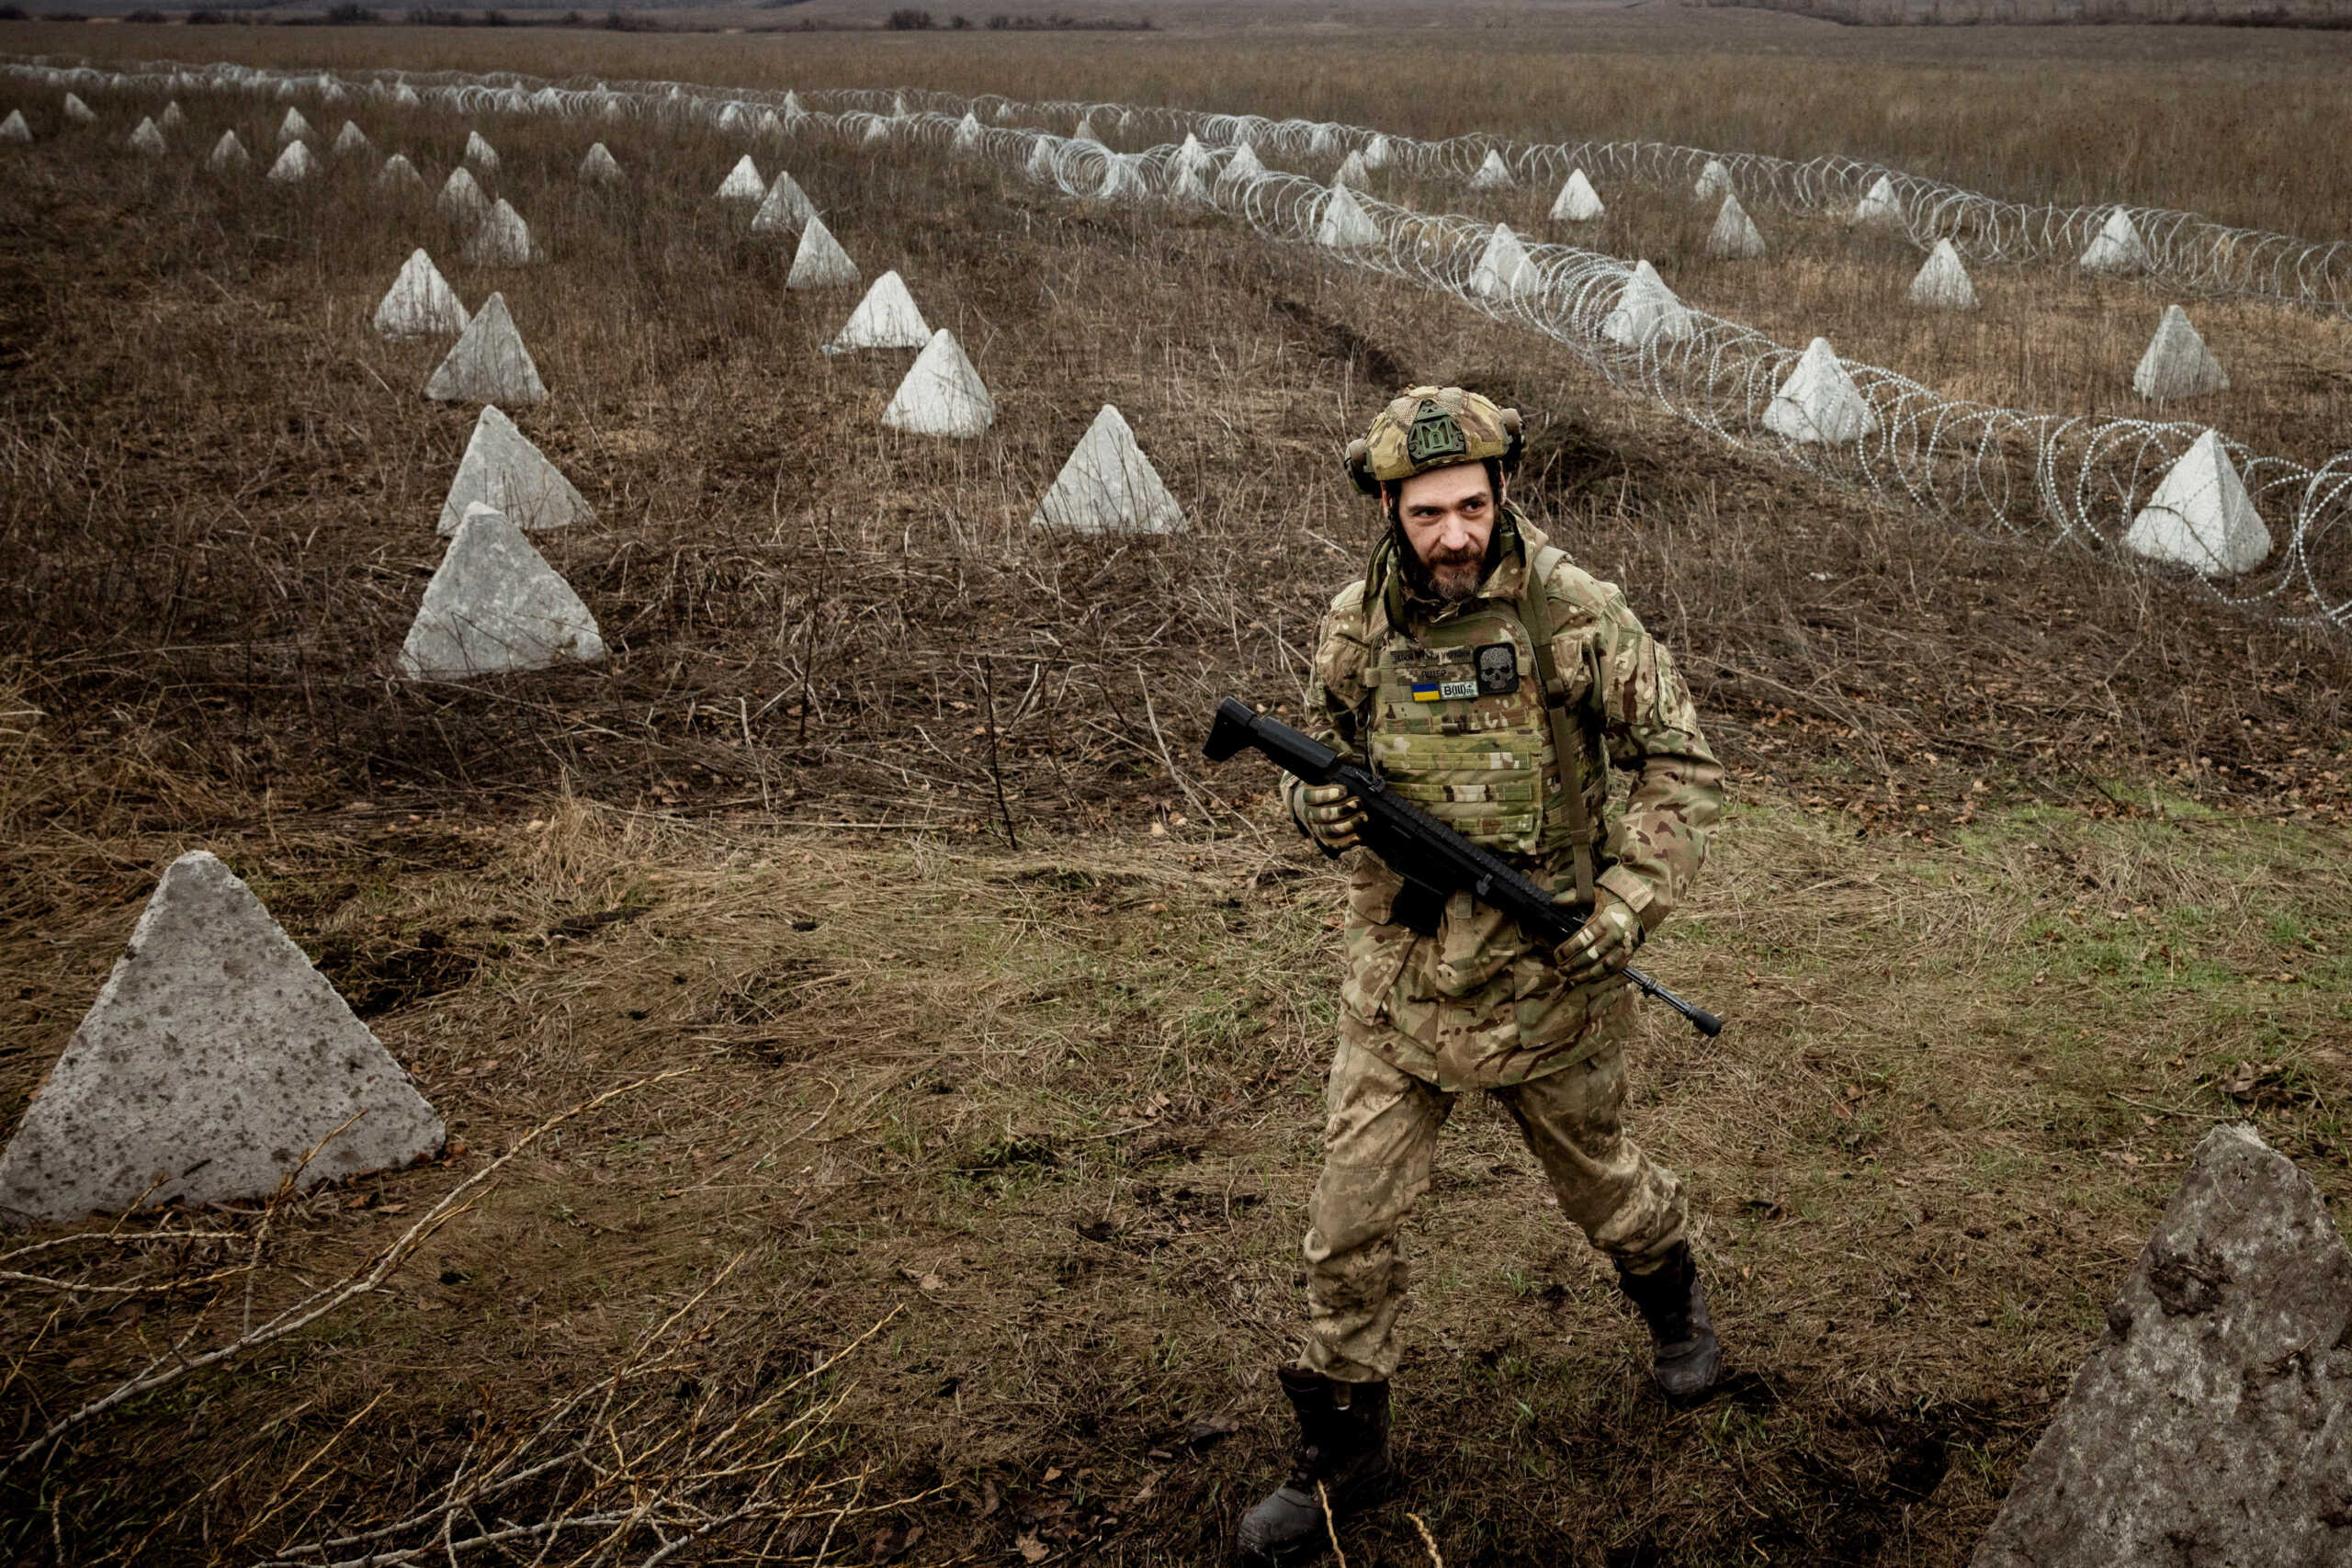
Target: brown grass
1058 1106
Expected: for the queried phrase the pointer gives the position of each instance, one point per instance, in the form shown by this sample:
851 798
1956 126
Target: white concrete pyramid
793 109
495 604
504 471
1819 401
405 95
785 210
294 164
77 111
173 117
1345 224
942 394
1942 283
1735 235
768 128
1715 181
1192 156
1085 131
1243 165
214 1059
148 140
968 134
2177 364
599 167
14 128
2201 517
488 363
2116 247
502 238
228 154
1503 267
293 127
1108 486
1376 151
877 133
733 118
461 200
1354 172
1493 175
886 318
1880 206
1646 312
1040 166
1187 189
1322 144
820 262
899 109
399 174
349 139
420 302
1577 202
480 153
743 183
1004 114
1119 178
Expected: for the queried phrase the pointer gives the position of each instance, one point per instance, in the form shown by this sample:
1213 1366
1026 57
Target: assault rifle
1423 851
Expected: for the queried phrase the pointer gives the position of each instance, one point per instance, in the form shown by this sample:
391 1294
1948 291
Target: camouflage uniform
1442 998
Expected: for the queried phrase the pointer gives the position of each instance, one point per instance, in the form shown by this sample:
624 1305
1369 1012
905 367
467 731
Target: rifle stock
1416 845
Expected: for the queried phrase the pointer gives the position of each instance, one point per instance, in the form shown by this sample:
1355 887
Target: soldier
1492 683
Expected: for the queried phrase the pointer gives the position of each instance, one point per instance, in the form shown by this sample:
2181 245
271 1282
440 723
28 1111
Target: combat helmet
1433 427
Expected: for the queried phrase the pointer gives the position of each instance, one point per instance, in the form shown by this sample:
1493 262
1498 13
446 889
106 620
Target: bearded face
1448 516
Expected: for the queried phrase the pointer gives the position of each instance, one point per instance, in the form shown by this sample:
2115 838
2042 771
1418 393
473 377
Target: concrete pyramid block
1243 165
2116 247
502 238
1040 166
1493 175
886 318
877 133
1108 486
2177 364
348 140
420 302
1503 267
2201 517
1377 152
743 183
1345 225
461 200
1085 131
295 164
792 105
1192 156
504 471
213 1060
2213 1423
1942 283
399 174
495 604
898 108
787 211
820 262
405 95
14 128
1714 182
148 140
77 111
293 129
1880 207
1187 189
1354 172
1646 312
1819 401
488 363
1120 180
1323 144
173 117
228 154
734 118
1577 201
942 394
599 167
1004 114
1735 235
480 153
968 135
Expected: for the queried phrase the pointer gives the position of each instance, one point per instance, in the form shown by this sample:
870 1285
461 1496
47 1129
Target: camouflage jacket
1479 1005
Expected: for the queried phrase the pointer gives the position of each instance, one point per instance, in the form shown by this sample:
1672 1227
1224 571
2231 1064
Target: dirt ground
965 1227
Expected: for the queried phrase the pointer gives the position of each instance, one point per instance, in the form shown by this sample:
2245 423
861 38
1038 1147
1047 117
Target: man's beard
1456 574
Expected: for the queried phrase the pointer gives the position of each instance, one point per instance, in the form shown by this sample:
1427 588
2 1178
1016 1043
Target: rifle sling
1567 740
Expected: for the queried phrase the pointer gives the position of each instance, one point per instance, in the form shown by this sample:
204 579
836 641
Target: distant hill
2330 13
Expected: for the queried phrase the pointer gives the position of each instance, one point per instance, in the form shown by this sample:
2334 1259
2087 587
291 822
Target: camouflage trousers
1378 1149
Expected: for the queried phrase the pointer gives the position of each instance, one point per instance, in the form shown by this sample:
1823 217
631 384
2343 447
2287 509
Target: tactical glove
1330 816
1603 944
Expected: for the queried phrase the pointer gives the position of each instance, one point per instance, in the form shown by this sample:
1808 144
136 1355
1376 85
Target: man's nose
1457 532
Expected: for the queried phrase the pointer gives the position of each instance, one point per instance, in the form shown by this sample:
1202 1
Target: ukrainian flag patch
1443 691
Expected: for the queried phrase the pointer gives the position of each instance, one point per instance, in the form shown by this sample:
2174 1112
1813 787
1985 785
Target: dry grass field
963 1228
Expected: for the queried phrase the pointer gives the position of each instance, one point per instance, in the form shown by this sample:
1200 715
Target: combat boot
1673 1302
1342 1448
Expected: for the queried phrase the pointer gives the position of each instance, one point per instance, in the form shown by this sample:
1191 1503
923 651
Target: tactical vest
1459 725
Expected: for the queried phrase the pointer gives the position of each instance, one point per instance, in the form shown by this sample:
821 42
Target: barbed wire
2082 480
